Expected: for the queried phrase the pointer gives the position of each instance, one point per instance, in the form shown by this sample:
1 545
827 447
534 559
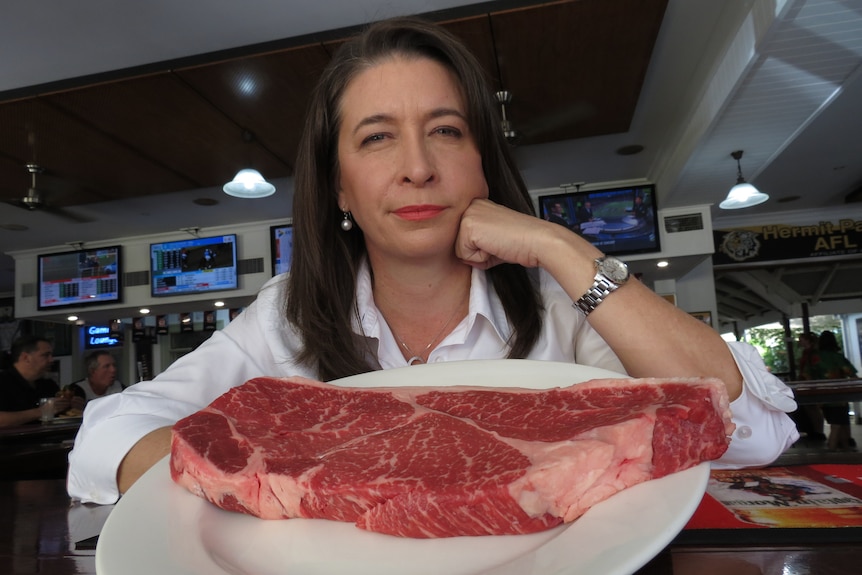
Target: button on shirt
260 342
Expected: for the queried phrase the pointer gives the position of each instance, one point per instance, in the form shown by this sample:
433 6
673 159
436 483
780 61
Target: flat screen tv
80 278
618 221
281 248
196 265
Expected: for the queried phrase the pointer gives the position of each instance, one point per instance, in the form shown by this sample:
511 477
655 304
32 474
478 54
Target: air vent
252 266
141 278
684 223
28 290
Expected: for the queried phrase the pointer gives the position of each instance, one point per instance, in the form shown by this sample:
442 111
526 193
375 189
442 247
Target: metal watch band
598 291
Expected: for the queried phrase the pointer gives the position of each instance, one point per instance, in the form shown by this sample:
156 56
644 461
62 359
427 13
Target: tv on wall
197 265
281 248
618 221
79 278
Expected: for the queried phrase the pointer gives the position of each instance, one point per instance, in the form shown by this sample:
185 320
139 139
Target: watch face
614 269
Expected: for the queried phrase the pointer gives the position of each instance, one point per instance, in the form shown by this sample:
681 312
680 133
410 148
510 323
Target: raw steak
443 461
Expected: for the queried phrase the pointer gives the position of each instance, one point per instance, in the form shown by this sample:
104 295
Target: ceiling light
219 304
144 310
743 194
249 183
662 264
72 318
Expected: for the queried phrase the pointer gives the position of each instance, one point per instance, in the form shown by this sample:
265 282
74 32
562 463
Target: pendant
415 360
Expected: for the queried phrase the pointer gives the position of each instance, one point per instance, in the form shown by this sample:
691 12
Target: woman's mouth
417 213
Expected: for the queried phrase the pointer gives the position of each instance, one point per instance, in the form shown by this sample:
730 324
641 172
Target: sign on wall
775 242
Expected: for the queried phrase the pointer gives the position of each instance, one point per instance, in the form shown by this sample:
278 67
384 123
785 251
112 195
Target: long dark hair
322 281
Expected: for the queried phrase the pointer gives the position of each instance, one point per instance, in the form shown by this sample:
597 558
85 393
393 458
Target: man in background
23 384
101 377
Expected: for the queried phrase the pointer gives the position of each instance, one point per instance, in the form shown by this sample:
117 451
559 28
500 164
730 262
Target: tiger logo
740 245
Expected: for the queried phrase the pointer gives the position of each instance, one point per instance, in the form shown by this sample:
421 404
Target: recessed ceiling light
662 264
144 310
630 150
72 318
219 304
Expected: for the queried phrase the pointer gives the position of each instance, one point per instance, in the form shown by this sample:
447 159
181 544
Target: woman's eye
448 131
373 138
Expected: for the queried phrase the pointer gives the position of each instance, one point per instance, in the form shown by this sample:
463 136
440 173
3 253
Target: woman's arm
651 337
147 452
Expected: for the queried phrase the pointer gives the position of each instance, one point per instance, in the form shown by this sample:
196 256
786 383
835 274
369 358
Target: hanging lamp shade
743 194
248 183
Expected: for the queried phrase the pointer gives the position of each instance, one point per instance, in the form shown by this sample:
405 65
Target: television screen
196 265
81 277
618 221
281 248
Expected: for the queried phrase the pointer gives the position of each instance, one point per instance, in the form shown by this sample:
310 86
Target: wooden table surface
826 391
43 532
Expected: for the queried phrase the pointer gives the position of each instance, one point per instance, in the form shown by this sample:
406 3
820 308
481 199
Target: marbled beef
443 461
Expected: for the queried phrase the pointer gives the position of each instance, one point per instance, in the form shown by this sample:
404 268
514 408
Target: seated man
101 377
23 384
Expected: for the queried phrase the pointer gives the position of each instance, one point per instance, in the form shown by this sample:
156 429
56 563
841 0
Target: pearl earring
347 222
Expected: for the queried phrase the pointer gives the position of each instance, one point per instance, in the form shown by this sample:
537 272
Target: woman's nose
417 162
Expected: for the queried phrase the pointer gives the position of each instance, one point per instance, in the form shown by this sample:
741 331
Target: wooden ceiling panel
476 34
182 128
266 95
165 122
85 164
598 63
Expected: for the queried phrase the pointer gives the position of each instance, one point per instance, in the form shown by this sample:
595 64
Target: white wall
695 291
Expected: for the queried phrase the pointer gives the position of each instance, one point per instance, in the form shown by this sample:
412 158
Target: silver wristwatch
611 273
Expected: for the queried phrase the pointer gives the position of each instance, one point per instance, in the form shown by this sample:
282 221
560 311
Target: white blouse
260 342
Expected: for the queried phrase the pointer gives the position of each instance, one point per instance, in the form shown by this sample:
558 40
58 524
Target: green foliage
769 340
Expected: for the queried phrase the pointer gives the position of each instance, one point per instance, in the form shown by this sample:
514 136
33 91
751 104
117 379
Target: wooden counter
826 390
43 532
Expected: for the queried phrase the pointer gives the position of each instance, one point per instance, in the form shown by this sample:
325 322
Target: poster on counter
780 242
780 504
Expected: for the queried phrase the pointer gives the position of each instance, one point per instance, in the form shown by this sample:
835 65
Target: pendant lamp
248 183
743 194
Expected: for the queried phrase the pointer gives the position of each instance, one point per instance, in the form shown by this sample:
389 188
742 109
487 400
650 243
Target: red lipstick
419 212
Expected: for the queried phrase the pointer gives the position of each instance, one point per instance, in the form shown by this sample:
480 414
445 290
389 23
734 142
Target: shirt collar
484 306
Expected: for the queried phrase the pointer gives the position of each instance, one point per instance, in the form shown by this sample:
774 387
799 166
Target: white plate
159 527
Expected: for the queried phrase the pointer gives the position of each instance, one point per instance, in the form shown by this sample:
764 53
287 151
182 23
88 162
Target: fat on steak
443 461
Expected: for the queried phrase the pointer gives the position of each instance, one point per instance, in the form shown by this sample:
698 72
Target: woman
809 418
415 241
833 365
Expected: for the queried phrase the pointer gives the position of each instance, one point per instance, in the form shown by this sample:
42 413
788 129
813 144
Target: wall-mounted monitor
79 278
196 265
281 248
618 221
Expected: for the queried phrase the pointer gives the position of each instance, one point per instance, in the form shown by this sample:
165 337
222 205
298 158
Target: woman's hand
491 234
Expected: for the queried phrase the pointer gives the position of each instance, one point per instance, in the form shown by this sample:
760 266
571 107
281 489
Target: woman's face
409 165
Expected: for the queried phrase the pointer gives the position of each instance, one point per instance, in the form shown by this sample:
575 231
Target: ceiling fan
35 199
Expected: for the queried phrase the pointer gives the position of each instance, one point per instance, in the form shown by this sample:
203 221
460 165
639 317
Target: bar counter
43 532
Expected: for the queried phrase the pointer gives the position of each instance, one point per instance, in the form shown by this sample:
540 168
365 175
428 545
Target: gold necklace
418 358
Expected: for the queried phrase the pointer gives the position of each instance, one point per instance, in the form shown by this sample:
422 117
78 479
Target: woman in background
833 365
